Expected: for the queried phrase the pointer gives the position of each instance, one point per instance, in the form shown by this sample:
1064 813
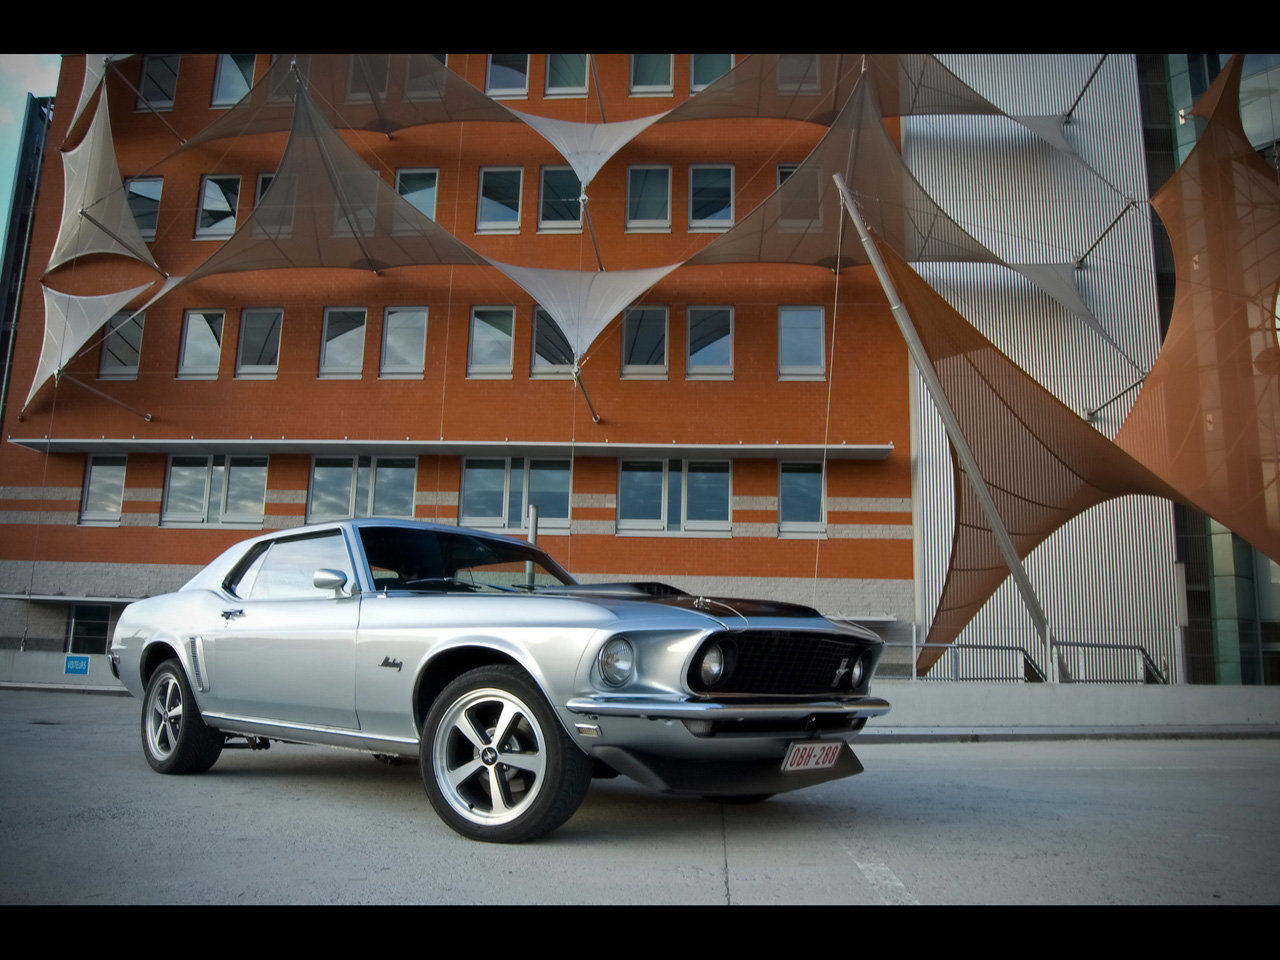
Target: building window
233 78
508 75
651 74
649 198
797 73
499 492
274 218
492 333
644 342
87 628
558 206
342 350
566 74
800 207
343 487
103 488
552 354
201 345
121 347
710 197
801 337
216 219
800 498
673 495
215 489
404 342
419 188
367 77
143 194
159 81
259 354
706 68
356 212
499 208
421 80
710 342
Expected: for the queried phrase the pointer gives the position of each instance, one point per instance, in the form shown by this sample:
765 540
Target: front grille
783 663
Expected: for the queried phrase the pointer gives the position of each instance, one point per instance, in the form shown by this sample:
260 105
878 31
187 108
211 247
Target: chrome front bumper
652 709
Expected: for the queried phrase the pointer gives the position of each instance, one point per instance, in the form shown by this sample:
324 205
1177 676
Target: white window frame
679 525
811 177
227 61
694 86
804 371
556 226
369 482
162 61
804 528
490 371
219 230
547 370
130 191
499 226
257 371
435 188
706 371
505 93
171 517
567 92
409 370
638 225
653 89
807 85
187 371
263 183
646 371
331 369
103 484
711 225
364 96
545 522
124 371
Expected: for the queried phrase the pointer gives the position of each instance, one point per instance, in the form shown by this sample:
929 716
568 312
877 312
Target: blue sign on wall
77 664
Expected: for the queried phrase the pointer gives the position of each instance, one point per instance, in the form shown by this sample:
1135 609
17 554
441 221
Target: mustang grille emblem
840 672
388 662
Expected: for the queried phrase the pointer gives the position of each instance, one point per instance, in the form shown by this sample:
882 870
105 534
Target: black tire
174 736
742 801
539 776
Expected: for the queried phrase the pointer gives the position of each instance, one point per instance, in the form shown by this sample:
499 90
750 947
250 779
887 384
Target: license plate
812 755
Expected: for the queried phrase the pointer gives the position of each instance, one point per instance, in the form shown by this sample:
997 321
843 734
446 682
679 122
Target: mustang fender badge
388 662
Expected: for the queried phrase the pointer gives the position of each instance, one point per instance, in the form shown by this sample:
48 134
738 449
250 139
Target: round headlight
617 661
855 674
711 670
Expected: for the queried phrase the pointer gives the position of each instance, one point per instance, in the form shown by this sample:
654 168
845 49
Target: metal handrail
1030 664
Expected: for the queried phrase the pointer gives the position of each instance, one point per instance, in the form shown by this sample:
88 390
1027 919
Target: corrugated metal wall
1108 576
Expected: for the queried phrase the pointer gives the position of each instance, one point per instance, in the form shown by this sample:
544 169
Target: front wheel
174 736
496 764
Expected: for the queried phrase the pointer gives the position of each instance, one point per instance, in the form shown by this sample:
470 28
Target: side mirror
334 580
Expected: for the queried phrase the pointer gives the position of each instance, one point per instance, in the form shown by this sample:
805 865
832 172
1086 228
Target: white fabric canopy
582 302
69 322
95 68
95 211
588 146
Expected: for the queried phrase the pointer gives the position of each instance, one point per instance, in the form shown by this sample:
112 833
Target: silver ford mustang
512 684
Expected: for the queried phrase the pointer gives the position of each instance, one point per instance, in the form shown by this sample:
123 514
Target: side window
233 78
342 350
216 219
259 353
201 345
143 194
122 347
644 342
287 570
159 81
490 350
103 488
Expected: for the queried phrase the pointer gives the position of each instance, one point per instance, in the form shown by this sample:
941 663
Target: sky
20 74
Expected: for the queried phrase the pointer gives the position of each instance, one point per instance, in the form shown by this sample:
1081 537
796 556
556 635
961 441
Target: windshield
404 558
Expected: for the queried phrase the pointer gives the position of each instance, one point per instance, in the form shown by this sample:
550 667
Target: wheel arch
442 669
156 653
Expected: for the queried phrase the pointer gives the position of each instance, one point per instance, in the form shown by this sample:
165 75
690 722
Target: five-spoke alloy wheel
174 737
495 761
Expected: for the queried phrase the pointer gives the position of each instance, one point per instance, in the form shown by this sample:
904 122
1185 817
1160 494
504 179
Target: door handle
228 614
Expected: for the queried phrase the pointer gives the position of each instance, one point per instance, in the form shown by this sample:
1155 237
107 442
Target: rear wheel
174 736
496 764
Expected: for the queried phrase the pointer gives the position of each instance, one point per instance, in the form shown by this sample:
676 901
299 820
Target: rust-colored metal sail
1208 418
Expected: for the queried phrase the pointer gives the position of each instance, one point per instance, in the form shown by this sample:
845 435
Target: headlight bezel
616 661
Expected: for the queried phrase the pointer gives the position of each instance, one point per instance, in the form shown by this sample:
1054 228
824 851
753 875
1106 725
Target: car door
286 648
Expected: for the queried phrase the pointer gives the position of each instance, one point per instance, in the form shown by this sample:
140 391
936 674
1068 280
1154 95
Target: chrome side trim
686 710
